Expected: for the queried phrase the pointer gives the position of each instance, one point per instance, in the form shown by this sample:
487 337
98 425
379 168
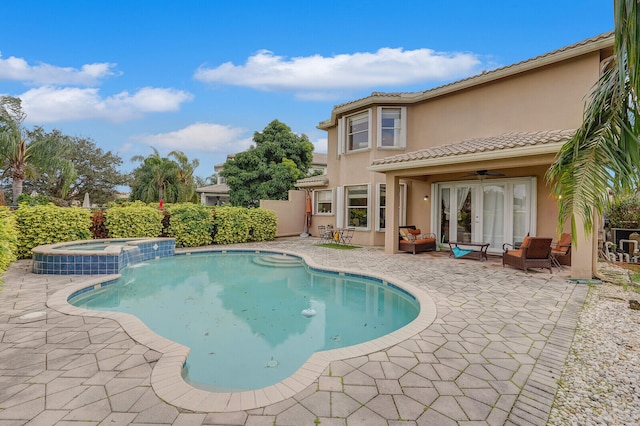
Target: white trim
340 207
401 142
341 148
345 131
378 206
477 197
315 202
345 221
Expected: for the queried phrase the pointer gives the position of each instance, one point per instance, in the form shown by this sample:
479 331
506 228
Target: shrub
190 224
135 220
624 212
8 238
263 224
98 228
231 225
38 225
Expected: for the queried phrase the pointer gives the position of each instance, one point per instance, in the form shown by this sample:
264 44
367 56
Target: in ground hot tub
104 256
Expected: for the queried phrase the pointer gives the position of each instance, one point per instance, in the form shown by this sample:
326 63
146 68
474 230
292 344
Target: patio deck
492 356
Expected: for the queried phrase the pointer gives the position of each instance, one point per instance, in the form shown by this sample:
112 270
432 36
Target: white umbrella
86 203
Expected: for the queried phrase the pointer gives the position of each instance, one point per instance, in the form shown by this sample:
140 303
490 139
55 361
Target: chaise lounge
412 240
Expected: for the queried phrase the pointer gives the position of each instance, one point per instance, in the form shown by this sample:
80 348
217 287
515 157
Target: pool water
93 245
249 324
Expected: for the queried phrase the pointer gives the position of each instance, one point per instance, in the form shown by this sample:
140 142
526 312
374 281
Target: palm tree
156 179
187 190
21 157
604 153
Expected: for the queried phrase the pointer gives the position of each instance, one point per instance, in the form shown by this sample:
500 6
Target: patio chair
535 252
561 252
347 235
325 233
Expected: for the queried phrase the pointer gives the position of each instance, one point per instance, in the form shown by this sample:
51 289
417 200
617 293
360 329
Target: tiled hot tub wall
66 262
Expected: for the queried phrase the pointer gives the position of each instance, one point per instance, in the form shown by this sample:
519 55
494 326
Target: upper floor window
324 201
392 127
358 131
354 132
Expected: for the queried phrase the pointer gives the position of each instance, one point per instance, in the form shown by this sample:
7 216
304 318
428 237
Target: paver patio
491 357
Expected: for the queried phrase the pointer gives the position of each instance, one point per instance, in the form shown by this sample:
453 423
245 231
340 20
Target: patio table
479 249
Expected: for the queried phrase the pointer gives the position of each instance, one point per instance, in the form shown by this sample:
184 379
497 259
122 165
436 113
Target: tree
604 152
96 172
156 179
187 188
22 156
269 170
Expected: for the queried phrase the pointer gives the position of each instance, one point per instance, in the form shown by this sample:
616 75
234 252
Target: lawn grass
337 246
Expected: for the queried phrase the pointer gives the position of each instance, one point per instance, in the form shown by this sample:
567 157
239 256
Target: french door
496 212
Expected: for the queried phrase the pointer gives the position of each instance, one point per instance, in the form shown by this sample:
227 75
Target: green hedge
39 225
190 224
231 225
135 220
8 238
262 225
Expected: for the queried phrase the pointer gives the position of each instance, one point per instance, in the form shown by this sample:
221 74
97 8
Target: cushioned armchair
412 240
535 252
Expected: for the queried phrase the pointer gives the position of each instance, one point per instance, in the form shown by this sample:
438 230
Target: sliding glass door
496 212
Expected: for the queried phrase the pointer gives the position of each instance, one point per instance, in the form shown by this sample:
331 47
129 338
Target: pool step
278 260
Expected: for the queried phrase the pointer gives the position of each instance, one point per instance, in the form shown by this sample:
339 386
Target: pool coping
166 376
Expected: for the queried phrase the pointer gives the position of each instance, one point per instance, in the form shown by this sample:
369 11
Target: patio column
584 253
391 220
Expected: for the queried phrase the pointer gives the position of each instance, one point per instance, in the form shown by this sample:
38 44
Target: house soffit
506 146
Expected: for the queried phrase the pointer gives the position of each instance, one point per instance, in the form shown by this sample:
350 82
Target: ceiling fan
484 173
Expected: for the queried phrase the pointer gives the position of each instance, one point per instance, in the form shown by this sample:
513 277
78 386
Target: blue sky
203 76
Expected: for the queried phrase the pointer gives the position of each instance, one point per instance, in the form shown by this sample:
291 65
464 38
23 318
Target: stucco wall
550 98
291 213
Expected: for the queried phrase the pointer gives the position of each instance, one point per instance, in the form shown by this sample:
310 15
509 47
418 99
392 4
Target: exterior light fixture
426 198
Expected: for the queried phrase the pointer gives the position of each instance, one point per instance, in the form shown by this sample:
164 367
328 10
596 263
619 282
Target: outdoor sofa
412 240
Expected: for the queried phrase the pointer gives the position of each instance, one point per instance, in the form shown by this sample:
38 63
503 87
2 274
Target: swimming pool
249 324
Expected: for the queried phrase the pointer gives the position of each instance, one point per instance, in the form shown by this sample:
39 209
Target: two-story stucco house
465 161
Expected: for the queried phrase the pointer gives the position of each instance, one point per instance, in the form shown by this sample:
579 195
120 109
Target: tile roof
319 180
219 188
471 146
590 44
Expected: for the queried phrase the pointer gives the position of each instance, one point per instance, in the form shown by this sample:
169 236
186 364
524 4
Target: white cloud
314 75
49 104
320 145
205 137
17 69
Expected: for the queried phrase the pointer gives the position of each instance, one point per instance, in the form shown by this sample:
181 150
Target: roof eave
545 149
485 77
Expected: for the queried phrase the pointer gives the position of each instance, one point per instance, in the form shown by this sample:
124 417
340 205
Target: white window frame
343 132
367 207
400 138
316 199
379 206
